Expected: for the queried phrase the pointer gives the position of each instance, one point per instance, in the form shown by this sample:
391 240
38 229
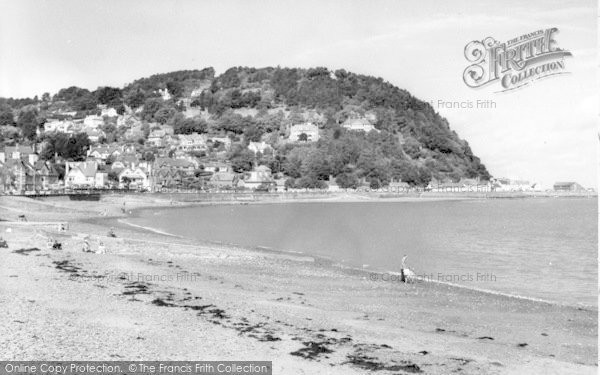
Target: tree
241 159
28 123
6 116
70 147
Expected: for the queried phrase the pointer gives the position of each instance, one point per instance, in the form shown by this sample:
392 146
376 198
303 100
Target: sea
535 248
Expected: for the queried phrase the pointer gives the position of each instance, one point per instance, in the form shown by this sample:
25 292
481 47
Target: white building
84 174
358 124
261 147
311 131
93 121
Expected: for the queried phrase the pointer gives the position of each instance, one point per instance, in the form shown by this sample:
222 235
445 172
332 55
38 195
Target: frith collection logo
515 63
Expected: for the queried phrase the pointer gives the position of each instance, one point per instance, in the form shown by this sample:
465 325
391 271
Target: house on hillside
192 142
103 152
93 121
85 174
358 124
215 141
94 135
261 147
306 132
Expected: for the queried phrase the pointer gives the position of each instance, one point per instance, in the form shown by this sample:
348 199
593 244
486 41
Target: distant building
261 147
258 177
358 124
94 135
103 152
223 179
18 152
225 141
568 186
93 121
192 142
306 132
134 177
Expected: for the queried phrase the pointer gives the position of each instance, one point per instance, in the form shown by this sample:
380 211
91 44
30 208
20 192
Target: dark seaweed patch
312 350
26 251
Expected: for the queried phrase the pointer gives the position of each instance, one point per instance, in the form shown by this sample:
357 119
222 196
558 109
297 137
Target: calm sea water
539 248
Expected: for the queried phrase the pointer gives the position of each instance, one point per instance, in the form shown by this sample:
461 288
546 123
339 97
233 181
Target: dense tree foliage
69 147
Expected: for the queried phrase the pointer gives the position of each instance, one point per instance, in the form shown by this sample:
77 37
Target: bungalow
306 132
84 174
358 124
258 177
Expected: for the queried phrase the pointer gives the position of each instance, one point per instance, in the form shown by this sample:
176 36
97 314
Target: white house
311 131
138 178
93 121
358 124
261 147
84 174
192 142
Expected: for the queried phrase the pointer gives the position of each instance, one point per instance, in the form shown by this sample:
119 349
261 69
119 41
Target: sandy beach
153 296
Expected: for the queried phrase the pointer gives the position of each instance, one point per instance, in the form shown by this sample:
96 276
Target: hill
411 142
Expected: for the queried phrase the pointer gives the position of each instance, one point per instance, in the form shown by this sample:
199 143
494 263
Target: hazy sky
544 132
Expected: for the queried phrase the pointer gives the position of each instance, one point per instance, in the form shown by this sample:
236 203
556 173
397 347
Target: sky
544 132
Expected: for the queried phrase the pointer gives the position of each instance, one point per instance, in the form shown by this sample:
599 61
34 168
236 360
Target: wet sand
154 296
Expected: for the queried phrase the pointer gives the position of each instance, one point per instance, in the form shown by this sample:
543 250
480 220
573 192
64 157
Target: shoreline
286 299
139 212
358 270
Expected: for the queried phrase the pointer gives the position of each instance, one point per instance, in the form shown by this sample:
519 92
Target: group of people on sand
101 247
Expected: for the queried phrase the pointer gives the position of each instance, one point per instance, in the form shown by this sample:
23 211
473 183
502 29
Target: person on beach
111 232
86 247
406 274
101 248
3 243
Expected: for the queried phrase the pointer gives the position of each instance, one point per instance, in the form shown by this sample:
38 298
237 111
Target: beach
155 296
